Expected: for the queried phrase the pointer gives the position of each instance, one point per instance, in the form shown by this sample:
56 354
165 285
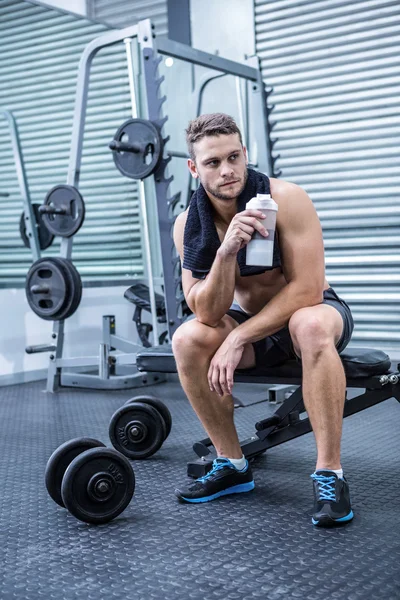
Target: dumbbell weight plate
98 485
158 405
137 430
59 462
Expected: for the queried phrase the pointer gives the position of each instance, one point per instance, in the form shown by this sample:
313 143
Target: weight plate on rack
68 201
74 286
78 288
61 459
47 288
137 430
137 148
45 237
98 485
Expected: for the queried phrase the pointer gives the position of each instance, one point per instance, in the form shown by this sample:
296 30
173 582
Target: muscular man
256 317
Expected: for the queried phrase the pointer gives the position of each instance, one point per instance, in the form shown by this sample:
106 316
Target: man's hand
223 365
240 230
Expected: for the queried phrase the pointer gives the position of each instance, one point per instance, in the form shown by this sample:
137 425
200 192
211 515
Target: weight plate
45 237
98 485
78 288
145 135
47 288
158 405
68 198
60 460
74 286
63 312
137 430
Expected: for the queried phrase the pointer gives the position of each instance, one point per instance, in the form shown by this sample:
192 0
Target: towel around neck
201 241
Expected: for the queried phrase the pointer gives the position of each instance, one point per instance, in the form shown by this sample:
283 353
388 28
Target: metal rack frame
150 53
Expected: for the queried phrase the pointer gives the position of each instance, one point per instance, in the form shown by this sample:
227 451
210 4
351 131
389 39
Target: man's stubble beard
221 196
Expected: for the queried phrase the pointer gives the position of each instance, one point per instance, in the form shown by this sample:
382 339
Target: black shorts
278 348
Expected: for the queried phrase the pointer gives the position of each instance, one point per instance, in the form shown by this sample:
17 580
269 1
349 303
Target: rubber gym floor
256 545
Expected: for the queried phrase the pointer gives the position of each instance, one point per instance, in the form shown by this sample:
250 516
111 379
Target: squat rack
149 52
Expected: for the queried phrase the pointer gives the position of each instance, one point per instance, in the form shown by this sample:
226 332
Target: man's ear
192 168
245 155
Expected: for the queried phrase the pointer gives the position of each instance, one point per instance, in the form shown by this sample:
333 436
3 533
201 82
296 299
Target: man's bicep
188 281
179 229
190 287
301 243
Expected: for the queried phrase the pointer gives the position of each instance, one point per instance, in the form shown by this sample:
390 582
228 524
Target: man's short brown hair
210 125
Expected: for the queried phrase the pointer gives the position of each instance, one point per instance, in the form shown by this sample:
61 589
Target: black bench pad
357 362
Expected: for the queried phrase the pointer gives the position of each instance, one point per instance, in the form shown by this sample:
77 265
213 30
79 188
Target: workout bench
365 368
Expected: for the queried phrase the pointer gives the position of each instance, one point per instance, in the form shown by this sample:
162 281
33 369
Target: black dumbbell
139 428
92 482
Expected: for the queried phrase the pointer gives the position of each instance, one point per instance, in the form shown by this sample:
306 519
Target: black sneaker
223 479
332 499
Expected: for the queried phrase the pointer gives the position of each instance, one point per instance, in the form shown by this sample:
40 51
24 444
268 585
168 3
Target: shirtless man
242 322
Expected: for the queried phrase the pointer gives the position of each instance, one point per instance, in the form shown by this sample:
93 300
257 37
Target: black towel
201 241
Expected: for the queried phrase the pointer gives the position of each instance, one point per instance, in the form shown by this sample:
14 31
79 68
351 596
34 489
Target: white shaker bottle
260 249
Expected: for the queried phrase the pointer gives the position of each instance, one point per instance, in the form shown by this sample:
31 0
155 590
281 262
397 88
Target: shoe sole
329 522
235 489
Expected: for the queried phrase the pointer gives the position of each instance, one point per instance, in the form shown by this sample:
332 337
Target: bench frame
367 370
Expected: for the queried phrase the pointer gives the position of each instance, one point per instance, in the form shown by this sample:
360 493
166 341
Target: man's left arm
303 265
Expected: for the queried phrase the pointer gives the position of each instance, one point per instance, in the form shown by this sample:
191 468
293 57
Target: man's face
221 165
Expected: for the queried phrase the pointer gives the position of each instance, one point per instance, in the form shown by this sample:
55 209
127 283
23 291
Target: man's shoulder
181 218
179 228
284 189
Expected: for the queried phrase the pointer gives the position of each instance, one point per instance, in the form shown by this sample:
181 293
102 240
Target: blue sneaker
223 479
332 499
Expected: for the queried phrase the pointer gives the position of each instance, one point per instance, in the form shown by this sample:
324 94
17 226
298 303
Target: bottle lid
262 201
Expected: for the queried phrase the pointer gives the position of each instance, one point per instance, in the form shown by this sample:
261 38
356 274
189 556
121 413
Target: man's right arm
210 298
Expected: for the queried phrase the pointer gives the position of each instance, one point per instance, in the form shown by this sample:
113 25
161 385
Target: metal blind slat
123 12
334 69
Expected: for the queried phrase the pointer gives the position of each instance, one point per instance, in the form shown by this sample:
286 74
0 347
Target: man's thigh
279 348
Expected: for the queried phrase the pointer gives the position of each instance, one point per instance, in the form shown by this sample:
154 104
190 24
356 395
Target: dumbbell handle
40 289
122 146
51 210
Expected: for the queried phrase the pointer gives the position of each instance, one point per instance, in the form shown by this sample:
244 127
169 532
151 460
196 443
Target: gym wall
75 6
335 73
121 13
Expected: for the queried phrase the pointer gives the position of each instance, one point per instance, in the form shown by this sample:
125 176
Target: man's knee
309 331
193 336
